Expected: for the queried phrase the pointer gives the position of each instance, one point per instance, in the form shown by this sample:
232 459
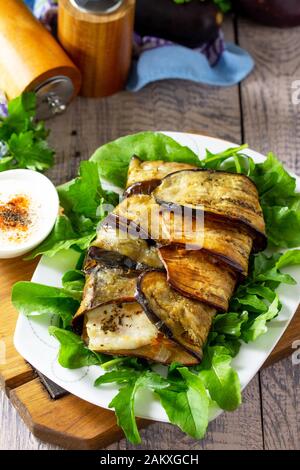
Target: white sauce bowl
43 207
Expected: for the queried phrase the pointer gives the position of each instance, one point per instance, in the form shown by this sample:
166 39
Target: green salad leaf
219 378
113 158
188 408
32 299
123 403
85 203
73 281
73 353
24 138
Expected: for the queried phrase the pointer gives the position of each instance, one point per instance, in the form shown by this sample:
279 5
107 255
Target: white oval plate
33 342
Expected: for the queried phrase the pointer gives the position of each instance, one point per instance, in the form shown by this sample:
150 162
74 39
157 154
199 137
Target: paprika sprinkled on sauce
18 217
29 206
14 214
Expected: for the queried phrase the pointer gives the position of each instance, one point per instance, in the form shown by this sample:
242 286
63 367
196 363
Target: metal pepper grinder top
97 6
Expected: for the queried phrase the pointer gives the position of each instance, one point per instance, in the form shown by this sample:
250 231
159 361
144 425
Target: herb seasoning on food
14 217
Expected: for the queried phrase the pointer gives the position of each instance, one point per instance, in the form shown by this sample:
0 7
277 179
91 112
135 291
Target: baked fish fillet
124 329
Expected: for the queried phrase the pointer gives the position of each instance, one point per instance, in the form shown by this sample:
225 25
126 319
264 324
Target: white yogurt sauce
21 214
28 209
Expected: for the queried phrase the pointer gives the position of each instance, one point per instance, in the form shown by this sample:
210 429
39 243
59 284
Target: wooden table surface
260 111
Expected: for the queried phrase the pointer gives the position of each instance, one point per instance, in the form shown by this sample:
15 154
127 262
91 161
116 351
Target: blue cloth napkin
174 61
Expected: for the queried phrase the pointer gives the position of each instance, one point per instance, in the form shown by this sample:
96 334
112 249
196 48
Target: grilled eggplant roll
184 320
111 238
142 216
123 328
223 196
109 276
199 276
143 177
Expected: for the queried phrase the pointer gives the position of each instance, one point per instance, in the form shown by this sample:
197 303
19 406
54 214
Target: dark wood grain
272 122
280 387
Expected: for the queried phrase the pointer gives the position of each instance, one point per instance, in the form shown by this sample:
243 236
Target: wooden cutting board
68 422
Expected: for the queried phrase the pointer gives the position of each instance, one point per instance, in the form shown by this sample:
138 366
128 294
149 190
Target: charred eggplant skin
142 187
109 259
190 24
142 300
128 226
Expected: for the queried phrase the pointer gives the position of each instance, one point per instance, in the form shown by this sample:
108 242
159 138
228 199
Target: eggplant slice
142 171
123 328
109 276
223 196
141 216
184 320
111 238
198 275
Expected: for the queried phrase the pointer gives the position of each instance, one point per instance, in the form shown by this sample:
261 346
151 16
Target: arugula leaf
24 138
113 158
31 299
123 402
73 353
220 379
215 161
118 376
187 409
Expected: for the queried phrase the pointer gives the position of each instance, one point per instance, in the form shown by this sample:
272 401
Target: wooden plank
14 371
69 422
271 122
280 405
14 432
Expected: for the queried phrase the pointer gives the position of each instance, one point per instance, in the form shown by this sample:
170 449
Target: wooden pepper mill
98 35
32 60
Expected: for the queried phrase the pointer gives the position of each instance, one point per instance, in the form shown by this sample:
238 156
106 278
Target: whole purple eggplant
282 13
190 24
